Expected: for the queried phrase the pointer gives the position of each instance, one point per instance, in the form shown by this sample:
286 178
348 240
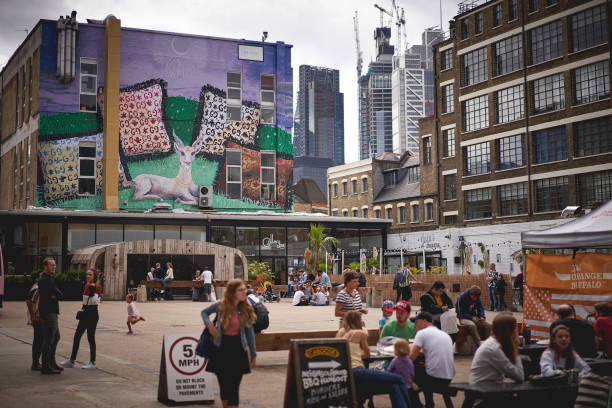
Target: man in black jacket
582 333
48 307
435 302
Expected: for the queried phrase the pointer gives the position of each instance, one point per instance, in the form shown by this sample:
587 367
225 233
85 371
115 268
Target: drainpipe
526 107
437 133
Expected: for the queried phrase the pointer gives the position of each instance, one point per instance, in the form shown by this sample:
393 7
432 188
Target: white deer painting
180 188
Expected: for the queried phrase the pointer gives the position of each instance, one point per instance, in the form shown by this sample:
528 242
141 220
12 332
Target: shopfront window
138 232
247 240
348 239
49 238
107 233
193 233
371 238
167 232
81 236
273 241
223 236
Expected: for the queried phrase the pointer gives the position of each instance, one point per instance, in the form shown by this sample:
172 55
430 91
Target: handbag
80 313
205 347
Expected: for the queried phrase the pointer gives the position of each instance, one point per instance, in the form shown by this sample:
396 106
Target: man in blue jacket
471 314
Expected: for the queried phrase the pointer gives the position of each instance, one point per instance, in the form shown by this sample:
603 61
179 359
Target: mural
172 138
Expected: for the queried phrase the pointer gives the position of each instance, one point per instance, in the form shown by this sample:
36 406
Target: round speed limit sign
183 357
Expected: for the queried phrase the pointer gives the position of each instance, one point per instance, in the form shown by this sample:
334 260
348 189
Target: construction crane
400 23
359 53
382 10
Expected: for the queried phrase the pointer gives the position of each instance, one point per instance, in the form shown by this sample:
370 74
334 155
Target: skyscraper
319 124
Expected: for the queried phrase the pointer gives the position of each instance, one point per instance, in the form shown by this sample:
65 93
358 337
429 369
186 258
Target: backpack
261 312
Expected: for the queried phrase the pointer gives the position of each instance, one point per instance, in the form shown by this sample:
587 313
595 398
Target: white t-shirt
207 276
297 297
169 274
320 298
150 275
438 349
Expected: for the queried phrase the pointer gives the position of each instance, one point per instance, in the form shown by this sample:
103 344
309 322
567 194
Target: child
560 356
401 364
387 311
133 316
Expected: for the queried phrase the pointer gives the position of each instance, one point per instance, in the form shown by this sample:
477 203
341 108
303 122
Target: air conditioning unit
205 197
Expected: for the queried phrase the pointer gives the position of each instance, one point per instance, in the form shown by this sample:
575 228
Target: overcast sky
321 31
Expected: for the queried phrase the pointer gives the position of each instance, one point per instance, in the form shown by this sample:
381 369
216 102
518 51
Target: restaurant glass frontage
278 240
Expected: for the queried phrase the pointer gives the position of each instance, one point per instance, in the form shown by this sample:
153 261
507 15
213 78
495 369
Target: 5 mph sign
182 377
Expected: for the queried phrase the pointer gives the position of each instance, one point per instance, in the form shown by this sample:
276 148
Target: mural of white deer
180 188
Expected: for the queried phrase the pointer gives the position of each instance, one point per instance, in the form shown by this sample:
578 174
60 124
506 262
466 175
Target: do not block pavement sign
319 374
182 378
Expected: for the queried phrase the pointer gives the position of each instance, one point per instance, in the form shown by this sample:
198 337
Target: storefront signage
271 243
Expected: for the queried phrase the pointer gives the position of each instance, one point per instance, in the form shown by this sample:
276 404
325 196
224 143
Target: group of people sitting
157 273
308 289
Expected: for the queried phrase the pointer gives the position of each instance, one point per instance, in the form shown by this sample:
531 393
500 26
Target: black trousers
229 385
88 322
37 343
404 293
430 384
51 336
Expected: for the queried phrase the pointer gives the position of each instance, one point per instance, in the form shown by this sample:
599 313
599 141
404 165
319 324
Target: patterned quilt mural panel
250 171
283 175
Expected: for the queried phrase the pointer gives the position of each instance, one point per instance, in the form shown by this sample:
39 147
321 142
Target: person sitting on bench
435 301
471 314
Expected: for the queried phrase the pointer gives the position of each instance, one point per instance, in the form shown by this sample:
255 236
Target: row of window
401 213
22 158
364 187
552 194
586 29
591 137
590 83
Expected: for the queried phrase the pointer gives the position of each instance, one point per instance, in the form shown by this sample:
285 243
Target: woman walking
234 352
88 321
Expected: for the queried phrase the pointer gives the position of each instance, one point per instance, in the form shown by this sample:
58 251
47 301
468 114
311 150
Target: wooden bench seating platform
173 284
282 341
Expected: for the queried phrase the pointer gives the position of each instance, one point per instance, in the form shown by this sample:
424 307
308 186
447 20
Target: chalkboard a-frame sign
319 374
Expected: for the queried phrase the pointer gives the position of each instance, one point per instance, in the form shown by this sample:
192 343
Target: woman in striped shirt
348 298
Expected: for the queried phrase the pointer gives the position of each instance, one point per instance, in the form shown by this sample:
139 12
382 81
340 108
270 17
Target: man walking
49 296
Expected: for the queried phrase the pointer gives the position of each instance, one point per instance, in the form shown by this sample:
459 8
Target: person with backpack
401 283
262 320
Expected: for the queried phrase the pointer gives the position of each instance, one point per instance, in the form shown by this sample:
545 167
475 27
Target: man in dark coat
582 333
435 302
48 307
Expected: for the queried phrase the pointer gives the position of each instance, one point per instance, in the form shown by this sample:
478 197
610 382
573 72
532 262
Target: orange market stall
581 277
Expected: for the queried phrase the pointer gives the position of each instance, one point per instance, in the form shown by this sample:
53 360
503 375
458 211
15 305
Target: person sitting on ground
319 298
367 381
133 315
403 365
303 276
348 298
291 284
435 302
471 314
439 369
582 333
560 356
400 327
603 326
308 290
324 289
497 358
388 307
324 278
299 299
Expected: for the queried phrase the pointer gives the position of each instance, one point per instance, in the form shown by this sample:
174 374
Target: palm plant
319 243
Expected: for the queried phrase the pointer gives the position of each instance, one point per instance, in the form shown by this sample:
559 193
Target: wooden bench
282 341
173 284
363 290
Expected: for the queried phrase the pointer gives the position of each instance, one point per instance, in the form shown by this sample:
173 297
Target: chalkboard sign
319 374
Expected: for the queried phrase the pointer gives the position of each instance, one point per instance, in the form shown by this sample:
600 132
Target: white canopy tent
592 230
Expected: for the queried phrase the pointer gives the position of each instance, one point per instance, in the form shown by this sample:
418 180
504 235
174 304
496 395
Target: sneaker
89 366
67 364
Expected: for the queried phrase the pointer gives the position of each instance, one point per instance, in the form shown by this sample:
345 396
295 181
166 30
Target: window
344 188
414 213
28 170
478 28
15 176
550 145
390 178
474 67
354 186
478 203
551 2
534 6
512 199
88 85
508 55
268 99
364 212
476 113
450 187
389 213
448 139
427 150
588 28
548 94
345 212
413 174
593 136
24 87
29 87
377 213
355 213
511 152
477 159
87 168
429 212
551 194
447 99
234 96
450 219
497 15
402 215
334 213
268 175
446 59
364 184
594 189
591 83
465 28
17 104
512 10
510 104
335 190
233 163
545 42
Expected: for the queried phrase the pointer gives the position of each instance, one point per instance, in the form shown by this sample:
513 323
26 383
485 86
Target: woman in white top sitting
560 356
497 357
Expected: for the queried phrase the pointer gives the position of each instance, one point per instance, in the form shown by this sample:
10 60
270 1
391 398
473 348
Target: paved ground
128 365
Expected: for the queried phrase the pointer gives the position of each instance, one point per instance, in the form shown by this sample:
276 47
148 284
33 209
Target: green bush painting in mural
79 123
180 116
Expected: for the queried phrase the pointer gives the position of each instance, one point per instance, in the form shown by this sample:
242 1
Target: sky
321 31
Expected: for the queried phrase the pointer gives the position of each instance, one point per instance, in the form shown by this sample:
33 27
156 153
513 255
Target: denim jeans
493 298
166 281
370 382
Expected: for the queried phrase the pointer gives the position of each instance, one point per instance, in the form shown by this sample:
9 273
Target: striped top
345 299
